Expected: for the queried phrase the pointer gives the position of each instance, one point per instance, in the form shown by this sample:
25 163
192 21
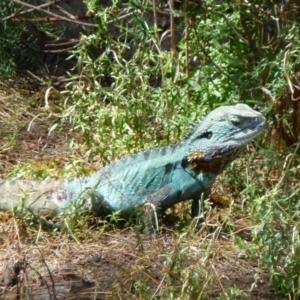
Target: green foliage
137 95
25 215
233 293
277 230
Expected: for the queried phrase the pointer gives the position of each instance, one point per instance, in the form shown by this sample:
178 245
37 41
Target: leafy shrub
277 217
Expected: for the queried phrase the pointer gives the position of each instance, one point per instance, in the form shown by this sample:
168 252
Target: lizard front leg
198 211
157 203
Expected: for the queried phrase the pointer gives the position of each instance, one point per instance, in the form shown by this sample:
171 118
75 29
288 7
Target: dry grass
110 264
25 122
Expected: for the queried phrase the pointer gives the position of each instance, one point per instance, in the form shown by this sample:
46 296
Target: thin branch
124 16
287 76
27 11
68 14
187 45
59 17
53 14
61 50
229 24
172 27
157 37
49 19
66 43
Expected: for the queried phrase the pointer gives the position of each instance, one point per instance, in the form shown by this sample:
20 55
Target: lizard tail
42 197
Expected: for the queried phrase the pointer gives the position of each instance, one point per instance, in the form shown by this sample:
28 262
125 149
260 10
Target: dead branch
53 14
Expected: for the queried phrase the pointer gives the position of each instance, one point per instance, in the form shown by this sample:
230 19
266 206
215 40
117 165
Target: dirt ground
109 264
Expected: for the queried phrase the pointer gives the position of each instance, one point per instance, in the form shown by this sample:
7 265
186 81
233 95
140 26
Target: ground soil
109 268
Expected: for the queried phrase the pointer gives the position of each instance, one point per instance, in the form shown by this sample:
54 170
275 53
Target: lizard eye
235 122
205 135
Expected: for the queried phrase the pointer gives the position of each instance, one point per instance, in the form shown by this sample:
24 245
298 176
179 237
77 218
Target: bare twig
57 18
172 27
157 36
53 14
66 43
61 50
68 14
49 272
187 45
50 19
124 16
34 269
288 79
27 11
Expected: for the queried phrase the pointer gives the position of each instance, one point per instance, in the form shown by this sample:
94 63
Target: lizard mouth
224 152
199 156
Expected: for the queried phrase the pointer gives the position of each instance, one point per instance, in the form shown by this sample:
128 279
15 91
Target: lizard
159 177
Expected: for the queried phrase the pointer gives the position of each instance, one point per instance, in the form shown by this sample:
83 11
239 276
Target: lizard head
223 132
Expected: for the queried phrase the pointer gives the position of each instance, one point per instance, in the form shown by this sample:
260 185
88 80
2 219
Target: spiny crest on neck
191 130
146 155
195 128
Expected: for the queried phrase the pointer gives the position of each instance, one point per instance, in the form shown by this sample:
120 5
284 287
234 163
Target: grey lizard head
224 131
